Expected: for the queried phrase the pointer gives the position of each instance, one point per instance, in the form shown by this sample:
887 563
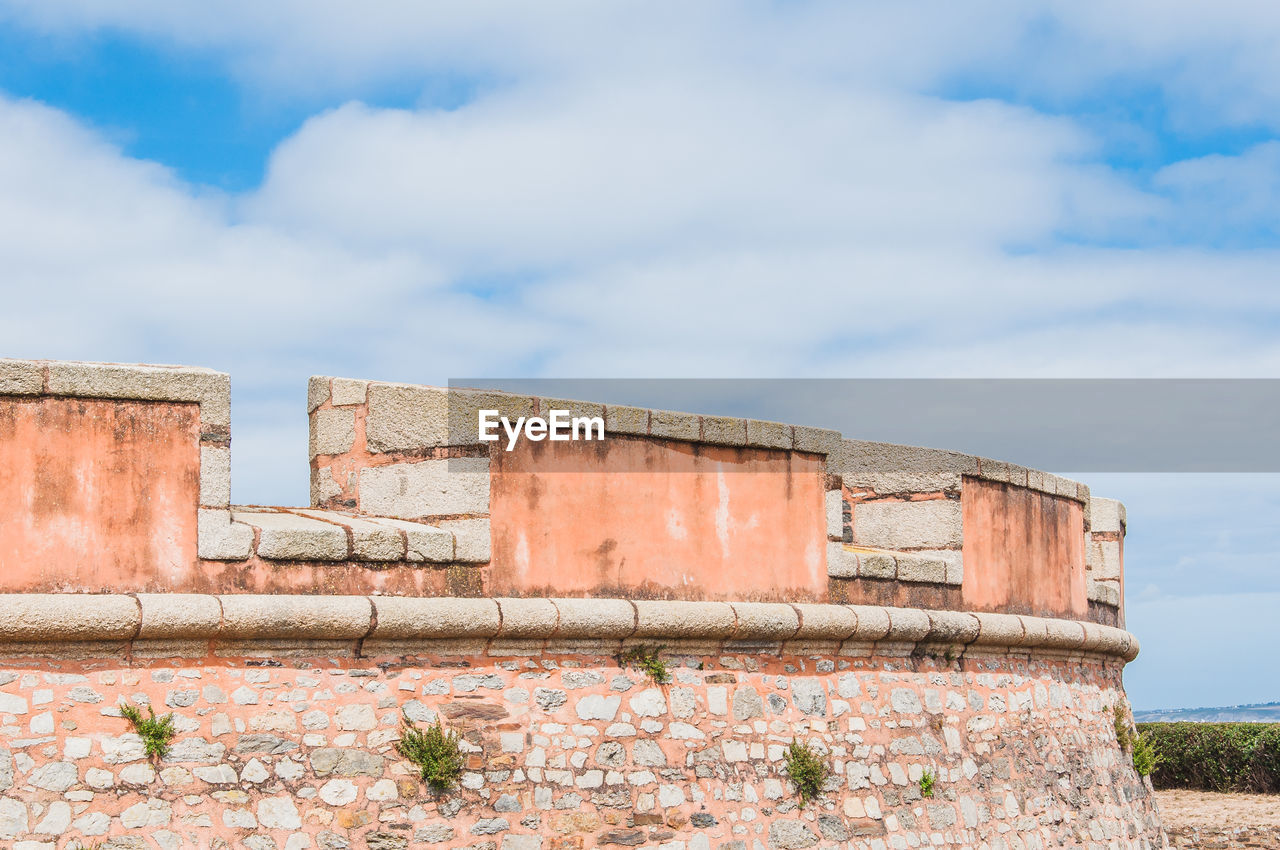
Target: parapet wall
905 612
677 505
132 463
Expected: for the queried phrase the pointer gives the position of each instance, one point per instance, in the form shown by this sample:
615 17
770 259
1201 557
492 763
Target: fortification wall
903 611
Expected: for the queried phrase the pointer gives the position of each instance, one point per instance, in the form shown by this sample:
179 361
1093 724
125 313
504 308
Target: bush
807 771
156 732
927 780
1145 757
434 751
1123 736
1215 756
648 659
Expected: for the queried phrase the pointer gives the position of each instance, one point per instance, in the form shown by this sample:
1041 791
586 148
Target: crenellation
887 605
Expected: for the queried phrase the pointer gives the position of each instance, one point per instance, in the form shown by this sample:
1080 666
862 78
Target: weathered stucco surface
658 518
97 495
1023 551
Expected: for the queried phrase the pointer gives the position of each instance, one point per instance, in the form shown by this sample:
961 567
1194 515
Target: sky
423 191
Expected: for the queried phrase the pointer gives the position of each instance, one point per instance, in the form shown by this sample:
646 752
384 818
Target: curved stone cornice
454 625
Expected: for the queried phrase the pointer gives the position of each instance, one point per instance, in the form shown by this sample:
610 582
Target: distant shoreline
1267 712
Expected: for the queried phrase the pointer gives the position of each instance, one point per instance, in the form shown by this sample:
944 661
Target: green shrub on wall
648 659
807 770
435 752
156 732
927 780
1215 756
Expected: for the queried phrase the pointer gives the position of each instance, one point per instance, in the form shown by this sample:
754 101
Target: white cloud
714 189
1216 64
708 190
580 175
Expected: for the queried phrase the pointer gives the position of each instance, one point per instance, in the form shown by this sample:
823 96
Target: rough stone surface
299 752
215 477
332 431
426 488
287 536
929 524
220 539
403 418
20 377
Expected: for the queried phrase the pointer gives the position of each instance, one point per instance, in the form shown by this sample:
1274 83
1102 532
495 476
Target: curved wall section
288 710
668 506
1021 545
940 629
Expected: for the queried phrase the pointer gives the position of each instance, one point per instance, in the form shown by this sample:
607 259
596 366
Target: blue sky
416 192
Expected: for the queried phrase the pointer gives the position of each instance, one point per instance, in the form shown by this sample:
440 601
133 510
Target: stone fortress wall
904 611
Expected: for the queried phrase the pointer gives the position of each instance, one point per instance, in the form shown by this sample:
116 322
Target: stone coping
311 534
529 626
125 381
893 468
412 417
209 389
881 467
845 560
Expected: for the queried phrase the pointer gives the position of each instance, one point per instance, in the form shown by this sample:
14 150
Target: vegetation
1124 737
927 781
1239 757
434 751
1145 757
647 659
807 770
156 732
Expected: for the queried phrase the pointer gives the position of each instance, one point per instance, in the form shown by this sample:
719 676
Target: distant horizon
1275 704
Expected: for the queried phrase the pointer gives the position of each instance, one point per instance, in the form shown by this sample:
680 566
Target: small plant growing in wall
1145 757
647 658
807 770
1123 736
927 781
156 732
434 751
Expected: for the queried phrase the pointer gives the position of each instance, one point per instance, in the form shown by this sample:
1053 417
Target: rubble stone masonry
292 744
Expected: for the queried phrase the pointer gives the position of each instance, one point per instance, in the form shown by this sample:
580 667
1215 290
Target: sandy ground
1199 820
1205 809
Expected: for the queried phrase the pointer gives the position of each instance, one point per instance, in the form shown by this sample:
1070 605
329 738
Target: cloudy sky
424 191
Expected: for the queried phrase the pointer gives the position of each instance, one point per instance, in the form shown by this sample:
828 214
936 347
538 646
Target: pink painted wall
97 495
657 519
1023 551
